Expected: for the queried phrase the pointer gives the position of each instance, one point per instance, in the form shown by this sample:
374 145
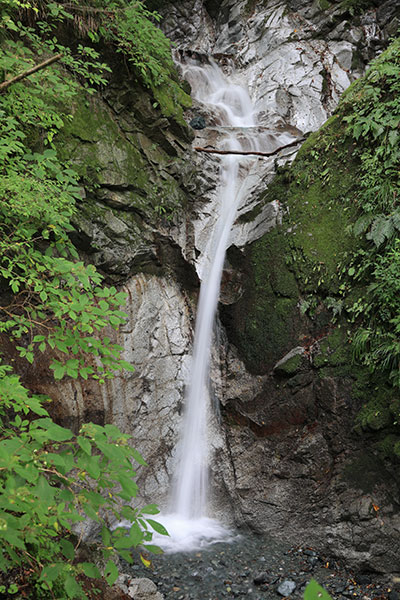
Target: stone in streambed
144 589
363 579
286 588
261 578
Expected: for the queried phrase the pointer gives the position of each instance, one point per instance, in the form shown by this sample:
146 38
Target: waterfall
188 525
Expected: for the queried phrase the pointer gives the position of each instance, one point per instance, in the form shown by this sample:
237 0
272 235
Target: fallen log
42 65
249 152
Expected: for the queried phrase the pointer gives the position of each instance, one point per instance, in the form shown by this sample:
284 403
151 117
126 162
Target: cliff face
286 459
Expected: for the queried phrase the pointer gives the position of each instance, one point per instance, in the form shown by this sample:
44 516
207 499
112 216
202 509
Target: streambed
254 567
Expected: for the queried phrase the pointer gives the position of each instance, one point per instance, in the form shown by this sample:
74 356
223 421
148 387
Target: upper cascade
230 103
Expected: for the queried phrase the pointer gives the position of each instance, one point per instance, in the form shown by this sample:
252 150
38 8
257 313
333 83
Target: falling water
189 527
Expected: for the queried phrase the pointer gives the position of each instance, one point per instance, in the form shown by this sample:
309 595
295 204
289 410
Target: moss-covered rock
292 363
378 413
334 351
263 323
129 157
296 266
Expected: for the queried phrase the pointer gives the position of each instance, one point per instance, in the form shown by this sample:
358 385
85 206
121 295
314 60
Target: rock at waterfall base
139 589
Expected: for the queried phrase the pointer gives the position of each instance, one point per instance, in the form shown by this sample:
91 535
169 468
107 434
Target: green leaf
106 536
110 573
44 491
381 229
128 485
150 509
11 536
157 527
51 572
72 587
67 549
59 434
58 368
138 457
314 591
85 444
91 513
90 464
91 570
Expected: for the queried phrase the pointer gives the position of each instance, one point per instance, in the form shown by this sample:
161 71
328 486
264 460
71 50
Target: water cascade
233 115
188 525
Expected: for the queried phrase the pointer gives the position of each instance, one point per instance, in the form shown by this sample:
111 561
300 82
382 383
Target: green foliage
371 110
356 7
56 300
52 479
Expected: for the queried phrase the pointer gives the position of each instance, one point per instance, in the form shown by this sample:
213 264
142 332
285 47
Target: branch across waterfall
250 152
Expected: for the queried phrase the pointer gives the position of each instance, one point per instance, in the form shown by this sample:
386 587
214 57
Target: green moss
266 316
291 366
108 158
300 259
375 415
386 447
334 350
324 4
172 100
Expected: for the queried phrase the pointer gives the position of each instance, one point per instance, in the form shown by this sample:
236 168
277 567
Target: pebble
287 587
393 595
261 578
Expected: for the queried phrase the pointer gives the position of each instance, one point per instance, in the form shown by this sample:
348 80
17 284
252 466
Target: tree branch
249 152
42 65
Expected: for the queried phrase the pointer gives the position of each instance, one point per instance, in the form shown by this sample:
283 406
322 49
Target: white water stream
188 524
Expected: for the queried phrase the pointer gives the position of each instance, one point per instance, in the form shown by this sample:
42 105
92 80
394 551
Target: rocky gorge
291 455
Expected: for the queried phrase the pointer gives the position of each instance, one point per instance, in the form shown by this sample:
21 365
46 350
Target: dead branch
42 65
249 152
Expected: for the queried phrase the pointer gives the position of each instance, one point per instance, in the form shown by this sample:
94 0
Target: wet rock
198 123
293 362
286 588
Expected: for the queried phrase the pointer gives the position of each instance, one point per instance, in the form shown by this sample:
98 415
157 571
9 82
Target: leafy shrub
52 479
